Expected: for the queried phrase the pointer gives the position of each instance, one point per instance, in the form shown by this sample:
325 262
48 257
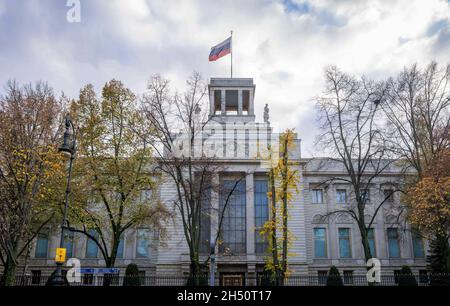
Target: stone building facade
321 238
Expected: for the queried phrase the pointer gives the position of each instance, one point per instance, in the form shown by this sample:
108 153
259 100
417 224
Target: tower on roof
232 99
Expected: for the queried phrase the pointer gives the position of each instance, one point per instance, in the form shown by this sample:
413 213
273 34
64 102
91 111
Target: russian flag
220 50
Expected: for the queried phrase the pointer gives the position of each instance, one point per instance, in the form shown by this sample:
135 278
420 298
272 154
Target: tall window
418 248
317 196
371 238
345 250
42 245
341 196
120 247
68 243
393 242
320 242
233 231
348 277
91 246
261 215
142 243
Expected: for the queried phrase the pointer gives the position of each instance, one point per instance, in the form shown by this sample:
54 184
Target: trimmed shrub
132 276
334 277
406 277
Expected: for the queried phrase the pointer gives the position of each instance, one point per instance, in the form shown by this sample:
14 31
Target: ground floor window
35 277
88 279
322 277
348 277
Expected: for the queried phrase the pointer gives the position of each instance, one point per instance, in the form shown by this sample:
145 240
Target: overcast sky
283 45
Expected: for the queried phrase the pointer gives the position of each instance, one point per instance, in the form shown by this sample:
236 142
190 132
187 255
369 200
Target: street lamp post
68 147
212 275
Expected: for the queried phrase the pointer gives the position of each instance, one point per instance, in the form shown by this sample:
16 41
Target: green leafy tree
31 169
406 277
439 261
114 183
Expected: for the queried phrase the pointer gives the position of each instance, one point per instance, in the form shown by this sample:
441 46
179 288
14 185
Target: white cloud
284 50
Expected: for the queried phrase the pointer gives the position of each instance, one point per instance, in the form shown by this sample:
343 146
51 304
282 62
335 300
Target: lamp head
67 147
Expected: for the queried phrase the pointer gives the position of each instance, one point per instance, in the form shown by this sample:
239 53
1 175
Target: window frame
261 243
325 243
313 190
138 237
37 254
347 238
374 251
397 241
88 241
417 237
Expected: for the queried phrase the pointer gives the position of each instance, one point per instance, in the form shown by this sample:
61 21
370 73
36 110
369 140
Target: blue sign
99 270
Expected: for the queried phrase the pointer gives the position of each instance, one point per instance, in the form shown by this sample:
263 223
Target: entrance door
233 280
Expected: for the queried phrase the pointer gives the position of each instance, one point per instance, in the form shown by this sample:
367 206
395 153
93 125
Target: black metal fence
356 280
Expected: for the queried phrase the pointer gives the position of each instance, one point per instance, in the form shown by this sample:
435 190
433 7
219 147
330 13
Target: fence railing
356 280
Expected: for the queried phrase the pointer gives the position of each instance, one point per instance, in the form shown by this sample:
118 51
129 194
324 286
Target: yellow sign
60 255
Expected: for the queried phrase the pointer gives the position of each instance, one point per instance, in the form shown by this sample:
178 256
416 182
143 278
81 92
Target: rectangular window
317 196
142 243
348 277
320 243
341 196
42 245
393 243
120 247
142 277
261 214
68 243
322 277
231 102
371 238
35 277
91 246
388 195
232 205
88 279
345 250
418 248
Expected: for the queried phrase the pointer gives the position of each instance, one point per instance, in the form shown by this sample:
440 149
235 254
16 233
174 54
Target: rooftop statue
266 114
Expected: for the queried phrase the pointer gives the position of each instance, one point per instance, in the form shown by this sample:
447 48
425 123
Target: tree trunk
9 273
366 246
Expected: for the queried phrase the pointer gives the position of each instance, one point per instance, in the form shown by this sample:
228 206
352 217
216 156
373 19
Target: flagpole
231 53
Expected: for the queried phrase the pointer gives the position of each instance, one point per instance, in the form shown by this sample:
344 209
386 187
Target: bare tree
179 122
417 106
351 125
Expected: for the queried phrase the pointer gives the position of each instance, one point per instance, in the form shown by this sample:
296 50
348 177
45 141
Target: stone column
212 110
250 213
240 102
222 102
251 111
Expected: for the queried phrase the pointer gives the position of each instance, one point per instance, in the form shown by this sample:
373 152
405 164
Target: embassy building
320 238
